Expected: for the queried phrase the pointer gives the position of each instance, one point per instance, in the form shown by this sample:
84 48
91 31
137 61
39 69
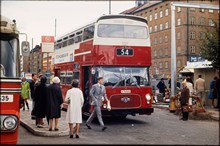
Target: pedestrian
25 89
74 98
190 86
32 83
54 101
32 87
213 91
161 86
97 93
200 88
184 100
40 98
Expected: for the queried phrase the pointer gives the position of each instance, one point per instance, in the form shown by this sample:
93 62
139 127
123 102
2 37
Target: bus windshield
9 46
122 31
124 76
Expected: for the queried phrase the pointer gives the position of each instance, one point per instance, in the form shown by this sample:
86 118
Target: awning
187 70
202 64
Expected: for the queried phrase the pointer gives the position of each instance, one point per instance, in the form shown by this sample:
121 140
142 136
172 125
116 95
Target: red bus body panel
10 108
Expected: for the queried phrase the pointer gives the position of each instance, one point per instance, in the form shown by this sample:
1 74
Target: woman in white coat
74 97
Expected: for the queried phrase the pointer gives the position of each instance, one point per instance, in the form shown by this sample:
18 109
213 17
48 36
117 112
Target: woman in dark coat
184 100
40 99
54 101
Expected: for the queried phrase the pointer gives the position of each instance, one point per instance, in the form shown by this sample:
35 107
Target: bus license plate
125 91
124 52
7 98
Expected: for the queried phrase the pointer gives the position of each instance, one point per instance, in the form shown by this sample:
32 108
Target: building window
178 9
202 21
192 35
150 29
192 9
202 35
155 16
155 41
161 14
193 49
178 21
166 12
202 10
178 50
166 25
155 53
179 63
166 38
161 39
161 26
166 52
178 35
211 23
166 64
211 11
161 53
150 17
155 28
160 65
192 20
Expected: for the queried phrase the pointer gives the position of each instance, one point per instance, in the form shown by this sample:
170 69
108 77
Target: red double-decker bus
115 47
10 83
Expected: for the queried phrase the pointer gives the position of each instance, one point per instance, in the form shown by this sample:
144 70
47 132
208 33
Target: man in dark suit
97 93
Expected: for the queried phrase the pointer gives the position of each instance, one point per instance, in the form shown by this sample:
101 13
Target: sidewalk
209 114
30 125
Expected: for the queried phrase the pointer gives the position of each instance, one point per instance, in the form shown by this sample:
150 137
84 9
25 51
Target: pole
173 51
47 62
109 6
55 27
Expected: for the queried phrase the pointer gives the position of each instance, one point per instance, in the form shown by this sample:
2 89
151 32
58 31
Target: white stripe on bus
82 53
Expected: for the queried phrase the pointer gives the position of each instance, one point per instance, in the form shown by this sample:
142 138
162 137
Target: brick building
191 25
35 60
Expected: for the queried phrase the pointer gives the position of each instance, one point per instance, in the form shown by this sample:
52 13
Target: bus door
86 88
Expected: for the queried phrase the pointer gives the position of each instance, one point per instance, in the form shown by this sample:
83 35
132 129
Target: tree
210 46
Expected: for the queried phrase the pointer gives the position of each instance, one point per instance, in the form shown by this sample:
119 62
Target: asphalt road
161 128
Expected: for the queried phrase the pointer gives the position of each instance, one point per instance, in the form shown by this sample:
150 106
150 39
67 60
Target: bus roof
123 16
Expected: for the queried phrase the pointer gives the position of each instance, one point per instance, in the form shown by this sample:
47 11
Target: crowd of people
47 102
190 88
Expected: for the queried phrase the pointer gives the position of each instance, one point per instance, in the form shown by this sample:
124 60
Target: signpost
47 43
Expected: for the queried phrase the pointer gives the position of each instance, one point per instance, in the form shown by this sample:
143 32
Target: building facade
191 26
35 60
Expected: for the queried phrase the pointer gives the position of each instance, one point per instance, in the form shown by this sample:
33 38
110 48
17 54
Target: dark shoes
103 129
77 136
56 129
71 136
88 126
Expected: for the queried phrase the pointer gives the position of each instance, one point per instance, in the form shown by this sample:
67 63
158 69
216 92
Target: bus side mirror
25 47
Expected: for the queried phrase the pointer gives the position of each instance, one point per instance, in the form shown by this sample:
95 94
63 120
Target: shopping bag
187 108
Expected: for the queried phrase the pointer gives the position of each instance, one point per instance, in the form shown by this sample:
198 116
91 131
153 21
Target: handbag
187 108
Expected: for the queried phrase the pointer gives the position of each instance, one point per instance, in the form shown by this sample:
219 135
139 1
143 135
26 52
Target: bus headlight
9 122
148 98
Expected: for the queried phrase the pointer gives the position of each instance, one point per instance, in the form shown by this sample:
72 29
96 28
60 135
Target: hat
56 80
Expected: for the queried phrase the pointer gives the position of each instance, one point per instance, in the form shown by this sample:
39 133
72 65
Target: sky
37 18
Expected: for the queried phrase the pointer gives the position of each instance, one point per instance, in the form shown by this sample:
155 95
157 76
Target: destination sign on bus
124 52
